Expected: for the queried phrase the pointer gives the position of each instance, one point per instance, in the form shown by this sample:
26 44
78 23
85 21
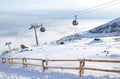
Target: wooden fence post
43 65
46 61
10 61
24 61
81 69
3 60
83 64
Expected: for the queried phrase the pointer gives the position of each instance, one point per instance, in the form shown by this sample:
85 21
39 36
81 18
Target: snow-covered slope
88 48
111 28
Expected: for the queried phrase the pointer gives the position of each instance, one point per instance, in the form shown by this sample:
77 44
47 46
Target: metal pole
36 36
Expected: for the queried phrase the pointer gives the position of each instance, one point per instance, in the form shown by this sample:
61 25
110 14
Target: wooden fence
44 64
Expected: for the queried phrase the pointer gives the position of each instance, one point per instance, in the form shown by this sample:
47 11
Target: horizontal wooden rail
62 60
105 70
53 59
90 60
108 61
17 63
17 58
76 68
34 59
34 64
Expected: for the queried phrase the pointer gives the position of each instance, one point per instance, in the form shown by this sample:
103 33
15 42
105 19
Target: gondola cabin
75 22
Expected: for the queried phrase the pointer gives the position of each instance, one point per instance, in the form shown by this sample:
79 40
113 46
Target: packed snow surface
88 48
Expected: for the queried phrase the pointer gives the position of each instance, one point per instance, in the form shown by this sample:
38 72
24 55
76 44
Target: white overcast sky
48 8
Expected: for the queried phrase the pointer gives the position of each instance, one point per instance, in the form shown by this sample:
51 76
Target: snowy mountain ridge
111 28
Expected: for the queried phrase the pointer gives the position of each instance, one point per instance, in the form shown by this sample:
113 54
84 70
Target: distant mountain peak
110 27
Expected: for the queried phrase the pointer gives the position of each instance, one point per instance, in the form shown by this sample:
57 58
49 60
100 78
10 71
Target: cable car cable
88 10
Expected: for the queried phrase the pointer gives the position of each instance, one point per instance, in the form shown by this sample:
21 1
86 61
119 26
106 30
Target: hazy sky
55 8
17 15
